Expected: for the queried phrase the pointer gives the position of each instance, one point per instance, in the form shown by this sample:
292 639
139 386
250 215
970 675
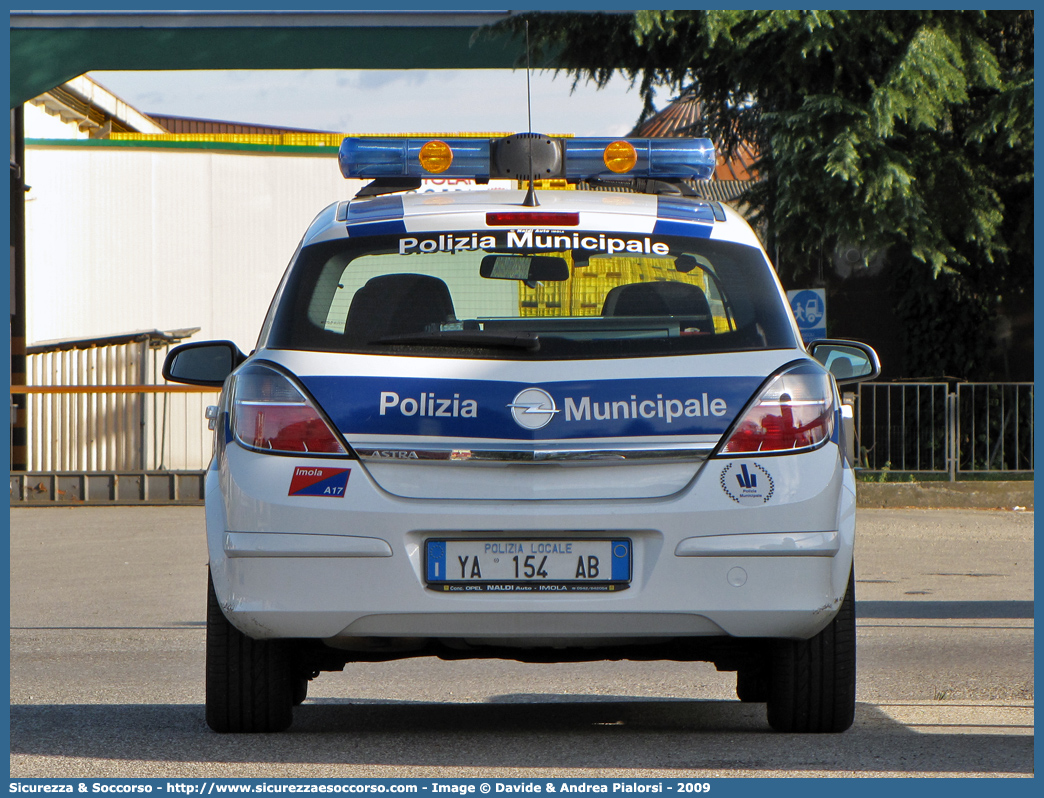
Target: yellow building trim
292 139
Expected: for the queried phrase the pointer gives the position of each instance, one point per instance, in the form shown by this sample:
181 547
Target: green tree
910 131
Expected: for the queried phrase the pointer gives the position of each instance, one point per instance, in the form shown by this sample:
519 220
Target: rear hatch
471 429
595 347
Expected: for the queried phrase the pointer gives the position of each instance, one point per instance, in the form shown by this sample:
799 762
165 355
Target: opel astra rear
560 425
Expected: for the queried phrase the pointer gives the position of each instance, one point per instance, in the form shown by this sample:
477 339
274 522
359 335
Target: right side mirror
202 363
848 361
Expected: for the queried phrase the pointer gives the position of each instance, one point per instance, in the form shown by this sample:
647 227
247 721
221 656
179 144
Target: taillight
270 413
794 411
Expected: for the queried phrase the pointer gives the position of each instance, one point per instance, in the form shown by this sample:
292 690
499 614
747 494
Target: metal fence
929 427
105 409
994 427
937 427
118 428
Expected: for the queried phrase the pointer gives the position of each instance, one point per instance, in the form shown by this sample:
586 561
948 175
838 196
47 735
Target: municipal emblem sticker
747 483
319 482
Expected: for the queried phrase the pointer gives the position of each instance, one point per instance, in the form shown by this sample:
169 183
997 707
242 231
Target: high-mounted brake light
794 412
269 413
532 219
570 158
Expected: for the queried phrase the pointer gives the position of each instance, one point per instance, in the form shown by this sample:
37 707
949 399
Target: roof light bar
691 159
581 158
402 157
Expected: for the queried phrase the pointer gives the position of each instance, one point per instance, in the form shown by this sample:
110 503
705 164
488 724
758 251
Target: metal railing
117 428
994 427
929 427
932 427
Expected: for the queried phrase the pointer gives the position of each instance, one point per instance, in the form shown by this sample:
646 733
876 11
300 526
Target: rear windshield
526 295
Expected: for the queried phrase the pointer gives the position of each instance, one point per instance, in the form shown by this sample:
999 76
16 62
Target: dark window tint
481 295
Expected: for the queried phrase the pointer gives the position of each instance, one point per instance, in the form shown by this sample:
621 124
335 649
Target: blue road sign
809 306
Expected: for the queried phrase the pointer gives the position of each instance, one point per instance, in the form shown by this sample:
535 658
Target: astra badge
533 408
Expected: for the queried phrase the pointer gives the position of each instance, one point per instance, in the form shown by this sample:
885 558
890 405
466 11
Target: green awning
49 48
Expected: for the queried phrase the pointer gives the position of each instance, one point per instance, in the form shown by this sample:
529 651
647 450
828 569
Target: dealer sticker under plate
528 566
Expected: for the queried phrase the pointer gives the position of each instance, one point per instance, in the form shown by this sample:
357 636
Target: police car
545 425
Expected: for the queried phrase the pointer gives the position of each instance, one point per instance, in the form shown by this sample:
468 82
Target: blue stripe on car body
583 409
378 216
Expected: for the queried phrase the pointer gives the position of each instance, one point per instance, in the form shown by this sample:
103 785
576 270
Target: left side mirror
848 361
202 363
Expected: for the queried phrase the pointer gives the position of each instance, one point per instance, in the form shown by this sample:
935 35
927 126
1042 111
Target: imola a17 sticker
309 481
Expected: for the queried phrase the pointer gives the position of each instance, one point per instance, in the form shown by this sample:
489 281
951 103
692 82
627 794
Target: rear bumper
350 570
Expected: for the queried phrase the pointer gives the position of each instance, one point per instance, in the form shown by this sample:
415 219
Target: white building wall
123 238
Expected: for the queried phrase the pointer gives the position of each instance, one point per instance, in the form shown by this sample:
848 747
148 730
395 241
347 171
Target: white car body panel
334 579
708 559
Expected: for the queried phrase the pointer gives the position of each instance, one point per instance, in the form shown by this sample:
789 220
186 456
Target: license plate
546 565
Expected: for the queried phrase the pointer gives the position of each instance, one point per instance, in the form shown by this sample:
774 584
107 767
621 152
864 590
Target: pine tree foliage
906 130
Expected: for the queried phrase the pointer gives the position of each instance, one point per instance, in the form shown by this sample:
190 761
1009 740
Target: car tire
249 684
812 682
300 692
752 684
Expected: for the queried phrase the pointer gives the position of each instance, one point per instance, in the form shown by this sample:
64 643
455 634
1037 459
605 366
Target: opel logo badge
533 408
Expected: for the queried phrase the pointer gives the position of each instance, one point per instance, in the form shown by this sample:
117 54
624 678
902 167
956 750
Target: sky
385 102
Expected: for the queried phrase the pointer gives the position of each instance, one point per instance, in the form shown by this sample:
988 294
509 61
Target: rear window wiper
521 340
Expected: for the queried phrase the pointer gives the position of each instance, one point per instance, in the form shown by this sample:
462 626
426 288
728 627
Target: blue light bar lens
657 158
400 157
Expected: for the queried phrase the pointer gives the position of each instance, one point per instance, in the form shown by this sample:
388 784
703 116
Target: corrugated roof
185 124
94 109
156 339
720 189
678 118
672 121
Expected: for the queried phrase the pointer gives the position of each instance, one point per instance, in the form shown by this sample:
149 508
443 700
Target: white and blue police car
551 425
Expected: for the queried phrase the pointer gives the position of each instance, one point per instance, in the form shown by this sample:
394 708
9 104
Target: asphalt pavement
107 608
